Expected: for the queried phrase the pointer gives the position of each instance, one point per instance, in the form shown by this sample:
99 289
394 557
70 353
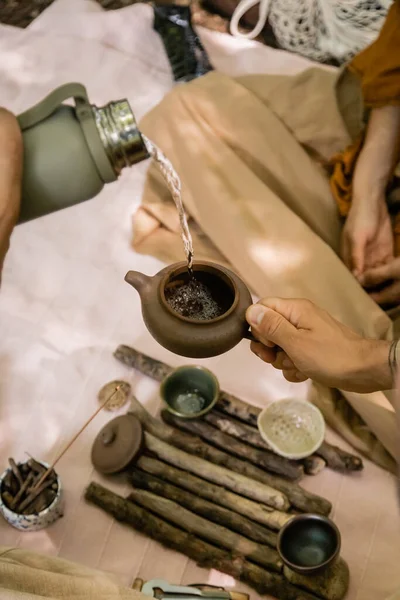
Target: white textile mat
64 308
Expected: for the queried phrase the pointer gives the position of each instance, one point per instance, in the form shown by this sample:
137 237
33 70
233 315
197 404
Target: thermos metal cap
119 134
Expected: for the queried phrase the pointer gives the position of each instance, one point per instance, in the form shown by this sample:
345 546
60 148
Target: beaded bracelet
392 358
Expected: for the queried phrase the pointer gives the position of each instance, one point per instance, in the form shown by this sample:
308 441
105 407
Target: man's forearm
10 175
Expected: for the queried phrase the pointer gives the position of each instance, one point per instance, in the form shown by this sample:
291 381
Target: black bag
186 54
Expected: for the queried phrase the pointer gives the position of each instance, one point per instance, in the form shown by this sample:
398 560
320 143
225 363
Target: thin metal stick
67 447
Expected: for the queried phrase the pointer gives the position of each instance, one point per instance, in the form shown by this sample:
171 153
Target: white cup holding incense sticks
34 521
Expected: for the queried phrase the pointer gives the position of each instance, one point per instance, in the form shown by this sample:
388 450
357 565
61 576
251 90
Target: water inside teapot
202 297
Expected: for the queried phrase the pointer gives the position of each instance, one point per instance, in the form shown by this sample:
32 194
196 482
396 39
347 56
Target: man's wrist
376 369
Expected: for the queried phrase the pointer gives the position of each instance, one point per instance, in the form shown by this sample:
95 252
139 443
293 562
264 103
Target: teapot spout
139 281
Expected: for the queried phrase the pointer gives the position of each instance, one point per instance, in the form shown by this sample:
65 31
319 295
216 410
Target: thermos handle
83 111
50 103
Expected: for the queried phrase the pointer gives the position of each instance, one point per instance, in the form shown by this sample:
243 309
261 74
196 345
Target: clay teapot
194 338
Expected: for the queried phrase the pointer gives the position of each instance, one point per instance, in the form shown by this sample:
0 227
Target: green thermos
71 152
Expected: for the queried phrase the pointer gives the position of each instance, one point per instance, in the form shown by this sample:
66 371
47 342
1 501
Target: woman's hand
388 277
304 342
367 236
10 178
367 239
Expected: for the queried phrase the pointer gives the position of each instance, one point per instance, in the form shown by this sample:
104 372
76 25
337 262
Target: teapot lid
117 444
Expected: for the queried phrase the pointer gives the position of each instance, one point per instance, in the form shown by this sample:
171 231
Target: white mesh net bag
318 29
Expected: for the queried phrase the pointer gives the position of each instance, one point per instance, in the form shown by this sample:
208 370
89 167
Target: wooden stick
35 465
264 459
16 471
331 583
229 404
68 446
313 464
299 498
233 481
209 510
28 481
34 493
339 459
211 532
10 483
236 429
141 362
265 515
204 554
7 498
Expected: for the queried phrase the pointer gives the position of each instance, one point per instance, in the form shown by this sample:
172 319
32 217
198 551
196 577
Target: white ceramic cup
292 428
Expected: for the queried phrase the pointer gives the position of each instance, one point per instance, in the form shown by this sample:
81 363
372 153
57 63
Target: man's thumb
269 326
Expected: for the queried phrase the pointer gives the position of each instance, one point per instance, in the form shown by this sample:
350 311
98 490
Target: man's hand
10 178
304 342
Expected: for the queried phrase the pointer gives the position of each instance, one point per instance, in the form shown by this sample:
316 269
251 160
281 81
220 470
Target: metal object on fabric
118 397
162 590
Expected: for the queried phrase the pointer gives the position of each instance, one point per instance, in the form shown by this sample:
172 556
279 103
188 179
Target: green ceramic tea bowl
309 543
190 391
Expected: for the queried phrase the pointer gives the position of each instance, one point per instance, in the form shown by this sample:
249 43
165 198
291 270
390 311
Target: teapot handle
50 103
249 336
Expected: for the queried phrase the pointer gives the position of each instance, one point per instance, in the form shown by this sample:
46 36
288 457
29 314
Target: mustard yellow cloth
378 66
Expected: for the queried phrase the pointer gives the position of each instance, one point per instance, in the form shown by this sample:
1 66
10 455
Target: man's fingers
283 362
389 295
10 162
266 354
268 325
294 310
10 176
294 376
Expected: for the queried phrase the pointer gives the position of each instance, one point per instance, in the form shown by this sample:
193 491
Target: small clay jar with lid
117 444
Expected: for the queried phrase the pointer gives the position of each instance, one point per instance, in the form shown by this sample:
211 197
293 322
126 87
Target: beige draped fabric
25 575
251 153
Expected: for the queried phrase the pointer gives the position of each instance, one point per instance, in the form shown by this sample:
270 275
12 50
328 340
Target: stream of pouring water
193 299
174 185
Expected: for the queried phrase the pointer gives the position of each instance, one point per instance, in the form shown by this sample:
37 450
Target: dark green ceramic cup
190 391
309 543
